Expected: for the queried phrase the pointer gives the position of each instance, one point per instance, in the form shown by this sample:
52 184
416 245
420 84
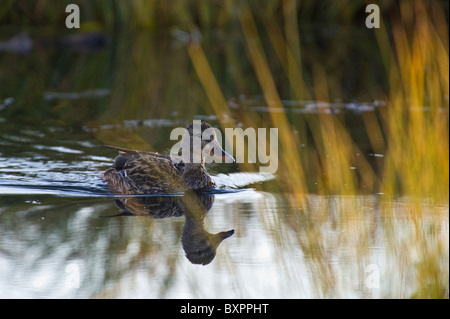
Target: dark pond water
59 233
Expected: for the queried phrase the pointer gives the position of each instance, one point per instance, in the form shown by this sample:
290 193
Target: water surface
56 242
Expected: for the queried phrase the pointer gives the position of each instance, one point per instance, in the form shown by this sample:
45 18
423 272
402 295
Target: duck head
200 140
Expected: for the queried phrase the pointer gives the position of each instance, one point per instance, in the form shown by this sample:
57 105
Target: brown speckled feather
135 172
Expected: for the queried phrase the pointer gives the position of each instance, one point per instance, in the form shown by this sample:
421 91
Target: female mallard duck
136 172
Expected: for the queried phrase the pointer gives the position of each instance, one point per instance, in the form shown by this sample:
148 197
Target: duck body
136 172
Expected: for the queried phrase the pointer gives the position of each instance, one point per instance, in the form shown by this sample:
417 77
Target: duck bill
219 237
218 153
227 158
226 234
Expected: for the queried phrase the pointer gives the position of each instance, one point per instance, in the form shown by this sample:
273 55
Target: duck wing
144 173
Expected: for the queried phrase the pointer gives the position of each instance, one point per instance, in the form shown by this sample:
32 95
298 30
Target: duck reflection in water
199 245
